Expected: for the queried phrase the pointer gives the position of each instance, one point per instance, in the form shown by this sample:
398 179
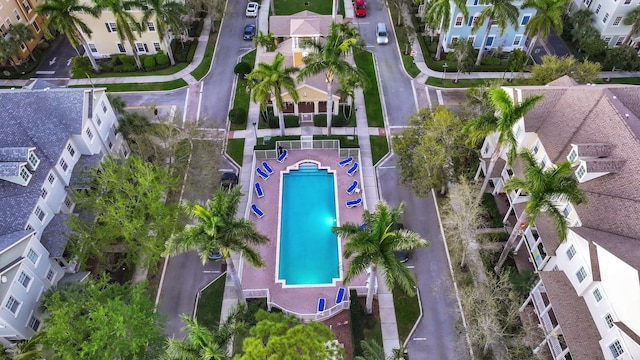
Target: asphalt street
57 64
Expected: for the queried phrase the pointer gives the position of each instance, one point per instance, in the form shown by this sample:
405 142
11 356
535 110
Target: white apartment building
47 135
588 294
609 16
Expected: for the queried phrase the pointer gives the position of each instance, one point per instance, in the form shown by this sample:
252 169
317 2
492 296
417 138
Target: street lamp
445 66
255 131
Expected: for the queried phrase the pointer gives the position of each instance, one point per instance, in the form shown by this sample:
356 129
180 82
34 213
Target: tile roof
7 240
548 234
14 154
304 23
55 235
624 248
574 318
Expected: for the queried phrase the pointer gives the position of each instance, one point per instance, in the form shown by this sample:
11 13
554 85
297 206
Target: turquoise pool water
308 249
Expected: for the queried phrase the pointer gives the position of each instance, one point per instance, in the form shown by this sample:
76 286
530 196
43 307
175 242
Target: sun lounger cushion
340 295
353 187
256 210
346 161
283 156
267 167
259 192
262 174
353 169
321 304
356 202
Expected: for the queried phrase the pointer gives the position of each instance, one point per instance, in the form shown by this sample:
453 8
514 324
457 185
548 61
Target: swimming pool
307 249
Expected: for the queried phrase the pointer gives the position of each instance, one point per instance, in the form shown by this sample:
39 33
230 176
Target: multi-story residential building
609 17
588 294
460 27
22 11
47 135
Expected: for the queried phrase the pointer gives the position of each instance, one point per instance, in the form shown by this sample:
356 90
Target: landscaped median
373 106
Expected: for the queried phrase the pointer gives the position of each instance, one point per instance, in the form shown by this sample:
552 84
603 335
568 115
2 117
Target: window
616 349
518 132
580 172
142 47
458 21
597 295
588 2
617 21
156 46
33 256
93 47
567 210
98 121
571 252
525 20
121 48
471 39
43 193
71 150
23 47
17 15
67 202
64 165
151 26
598 9
535 148
111 27
24 174
27 6
110 144
39 213
29 227
605 18
627 2
620 40
609 320
24 279
104 107
573 155
581 274
89 133
34 324
50 275
33 159
12 304
51 178
516 40
36 26
607 39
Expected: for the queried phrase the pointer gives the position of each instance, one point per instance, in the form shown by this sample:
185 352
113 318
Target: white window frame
581 171
89 133
44 193
151 26
63 165
22 278
67 202
121 48
535 148
33 159
98 121
581 274
528 17
36 26
13 305
26 6
605 18
458 21
627 2
31 254
92 47
71 150
471 39
140 47
156 46
597 10
571 252
616 348
608 319
25 174
51 178
104 106
40 214
454 39
617 21
573 155
597 295
518 38
518 132
51 275
34 321
111 26
17 14
620 40
566 211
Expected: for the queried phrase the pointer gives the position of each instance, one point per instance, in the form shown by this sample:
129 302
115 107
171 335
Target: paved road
436 334
168 103
57 64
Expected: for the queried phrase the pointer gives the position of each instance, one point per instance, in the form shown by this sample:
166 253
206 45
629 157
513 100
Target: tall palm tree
633 19
438 14
500 12
549 14
216 228
29 349
266 80
546 188
21 33
501 121
267 41
373 244
62 16
8 49
201 343
168 15
371 350
328 57
127 25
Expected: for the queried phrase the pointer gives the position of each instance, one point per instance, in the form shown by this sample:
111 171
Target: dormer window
25 174
573 155
33 159
581 171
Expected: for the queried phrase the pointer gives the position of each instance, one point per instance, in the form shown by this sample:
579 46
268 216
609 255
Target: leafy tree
266 80
216 228
132 124
101 320
432 150
117 103
549 16
582 28
373 245
128 213
276 336
552 68
328 57
168 15
127 26
632 19
499 12
462 55
267 41
623 57
545 188
517 61
30 349
21 33
500 122
478 101
593 47
587 72
8 49
62 16
242 69
437 13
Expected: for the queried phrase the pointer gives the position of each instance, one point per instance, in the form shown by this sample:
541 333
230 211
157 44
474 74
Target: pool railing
306 145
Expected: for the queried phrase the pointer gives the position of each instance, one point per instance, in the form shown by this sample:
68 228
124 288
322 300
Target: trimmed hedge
357 323
345 142
271 143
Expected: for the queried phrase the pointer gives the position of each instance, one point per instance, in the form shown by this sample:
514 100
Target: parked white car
381 34
252 9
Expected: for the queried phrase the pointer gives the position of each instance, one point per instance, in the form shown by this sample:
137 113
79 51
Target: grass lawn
407 312
492 212
235 150
166 71
629 81
161 86
364 61
204 66
467 83
210 304
379 147
242 97
404 46
290 7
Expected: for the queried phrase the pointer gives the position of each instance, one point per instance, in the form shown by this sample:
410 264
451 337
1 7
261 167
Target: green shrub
126 59
273 122
490 61
346 141
192 51
291 121
238 115
357 323
162 59
149 62
81 66
43 46
242 68
271 143
180 50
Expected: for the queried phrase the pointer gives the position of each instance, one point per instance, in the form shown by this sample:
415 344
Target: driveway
57 63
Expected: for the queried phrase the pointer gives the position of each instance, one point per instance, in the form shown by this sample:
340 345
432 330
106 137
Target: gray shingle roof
10 168
7 240
19 154
624 248
55 235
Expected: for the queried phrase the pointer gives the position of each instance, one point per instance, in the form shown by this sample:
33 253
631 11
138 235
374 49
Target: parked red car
359 8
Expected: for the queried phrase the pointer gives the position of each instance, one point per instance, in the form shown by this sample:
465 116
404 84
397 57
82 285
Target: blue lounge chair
256 210
346 161
259 192
267 167
321 304
353 169
262 174
356 202
353 187
340 295
283 156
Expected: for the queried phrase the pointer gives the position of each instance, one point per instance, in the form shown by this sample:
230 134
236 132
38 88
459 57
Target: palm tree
117 103
21 33
328 57
506 115
267 41
438 14
202 343
168 15
548 17
545 188
126 24
62 16
216 228
499 12
633 19
371 350
28 349
347 91
8 49
266 80
374 243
